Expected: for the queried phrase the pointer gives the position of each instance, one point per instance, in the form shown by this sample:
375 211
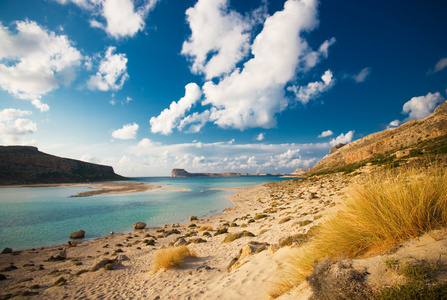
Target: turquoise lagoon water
36 217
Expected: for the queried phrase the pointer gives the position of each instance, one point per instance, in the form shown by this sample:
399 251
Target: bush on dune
381 211
170 257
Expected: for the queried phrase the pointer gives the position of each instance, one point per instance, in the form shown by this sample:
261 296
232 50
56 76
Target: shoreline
203 277
102 188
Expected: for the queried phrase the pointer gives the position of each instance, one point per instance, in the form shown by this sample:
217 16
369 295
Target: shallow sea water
36 217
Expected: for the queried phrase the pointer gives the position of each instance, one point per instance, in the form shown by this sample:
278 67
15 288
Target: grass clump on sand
205 228
234 236
381 211
171 257
259 217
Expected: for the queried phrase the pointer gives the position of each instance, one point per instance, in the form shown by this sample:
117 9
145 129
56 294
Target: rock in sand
77 234
7 250
139 225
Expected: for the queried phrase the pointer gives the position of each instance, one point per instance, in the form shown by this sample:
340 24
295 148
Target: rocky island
27 165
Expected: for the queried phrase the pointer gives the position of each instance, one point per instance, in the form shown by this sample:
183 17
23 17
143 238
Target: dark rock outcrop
336 147
395 141
27 165
184 173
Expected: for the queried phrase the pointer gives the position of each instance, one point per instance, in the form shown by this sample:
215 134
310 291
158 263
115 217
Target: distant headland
184 173
27 165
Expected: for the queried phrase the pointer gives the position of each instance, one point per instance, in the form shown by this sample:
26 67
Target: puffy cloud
128 132
253 94
343 138
13 129
251 97
122 17
9 114
195 121
420 107
219 38
170 117
260 136
81 3
393 124
314 89
112 72
35 61
326 134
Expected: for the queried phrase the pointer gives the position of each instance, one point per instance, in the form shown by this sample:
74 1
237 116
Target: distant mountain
184 173
27 165
392 146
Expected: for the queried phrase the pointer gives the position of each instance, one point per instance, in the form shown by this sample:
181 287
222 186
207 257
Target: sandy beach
271 212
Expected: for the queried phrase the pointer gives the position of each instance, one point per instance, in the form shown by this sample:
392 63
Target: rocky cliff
396 143
184 173
27 165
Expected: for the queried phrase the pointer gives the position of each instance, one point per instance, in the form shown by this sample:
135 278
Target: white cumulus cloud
420 107
128 132
112 72
326 134
314 89
393 124
260 136
252 96
195 121
13 129
219 38
343 138
35 61
119 18
170 117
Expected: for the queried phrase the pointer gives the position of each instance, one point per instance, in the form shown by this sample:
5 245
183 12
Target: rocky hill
184 173
27 165
412 138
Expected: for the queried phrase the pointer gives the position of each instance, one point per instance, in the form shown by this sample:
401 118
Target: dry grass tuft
381 211
170 257
385 209
206 228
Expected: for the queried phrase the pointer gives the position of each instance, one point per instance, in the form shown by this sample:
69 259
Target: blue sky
214 85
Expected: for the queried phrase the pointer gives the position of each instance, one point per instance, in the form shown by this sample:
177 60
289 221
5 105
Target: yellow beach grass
170 257
381 211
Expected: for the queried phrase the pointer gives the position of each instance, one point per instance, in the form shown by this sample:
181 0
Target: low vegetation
205 228
381 211
420 281
237 235
170 257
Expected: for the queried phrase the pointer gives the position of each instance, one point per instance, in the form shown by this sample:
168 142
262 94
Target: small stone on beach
7 250
77 234
139 225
